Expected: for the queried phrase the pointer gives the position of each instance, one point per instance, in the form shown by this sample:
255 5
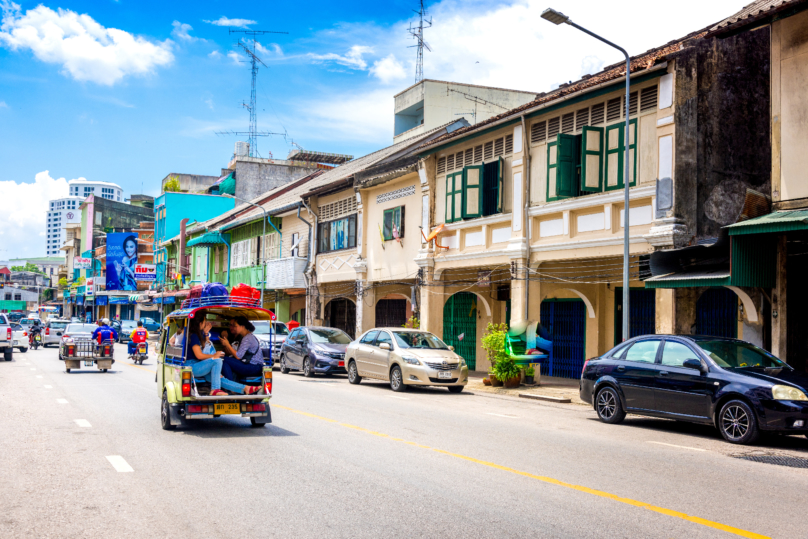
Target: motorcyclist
139 335
35 329
104 333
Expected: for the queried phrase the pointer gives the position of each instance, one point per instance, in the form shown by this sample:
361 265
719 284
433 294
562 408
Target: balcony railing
285 273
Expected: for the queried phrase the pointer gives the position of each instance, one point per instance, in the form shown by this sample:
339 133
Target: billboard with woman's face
121 261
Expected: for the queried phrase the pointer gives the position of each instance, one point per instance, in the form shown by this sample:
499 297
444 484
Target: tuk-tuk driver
104 333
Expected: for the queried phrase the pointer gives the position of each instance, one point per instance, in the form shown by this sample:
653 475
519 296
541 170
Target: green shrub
505 369
493 342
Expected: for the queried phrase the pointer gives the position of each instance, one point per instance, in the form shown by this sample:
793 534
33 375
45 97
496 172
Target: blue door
642 313
565 320
717 313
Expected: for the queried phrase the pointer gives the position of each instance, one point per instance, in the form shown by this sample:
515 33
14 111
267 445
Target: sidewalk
563 388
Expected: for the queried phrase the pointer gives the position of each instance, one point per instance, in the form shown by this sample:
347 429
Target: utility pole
418 33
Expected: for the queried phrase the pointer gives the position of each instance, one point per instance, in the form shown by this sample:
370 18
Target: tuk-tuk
184 397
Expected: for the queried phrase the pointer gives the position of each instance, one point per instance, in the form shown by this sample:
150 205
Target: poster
145 272
82 263
121 261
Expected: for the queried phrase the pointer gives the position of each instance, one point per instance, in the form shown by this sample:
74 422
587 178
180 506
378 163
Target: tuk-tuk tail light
186 390
186 375
70 351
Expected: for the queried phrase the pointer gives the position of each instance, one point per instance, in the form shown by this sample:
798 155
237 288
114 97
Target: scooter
35 340
140 354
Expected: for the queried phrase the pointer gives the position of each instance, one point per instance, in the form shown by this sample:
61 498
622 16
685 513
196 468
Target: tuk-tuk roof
226 306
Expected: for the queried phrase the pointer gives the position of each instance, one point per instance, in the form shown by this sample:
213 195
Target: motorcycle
140 354
35 340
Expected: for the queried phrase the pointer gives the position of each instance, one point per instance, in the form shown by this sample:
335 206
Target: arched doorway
565 321
391 313
717 313
460 326
340 313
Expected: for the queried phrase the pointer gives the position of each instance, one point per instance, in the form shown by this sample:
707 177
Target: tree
28 267
172 185
63 282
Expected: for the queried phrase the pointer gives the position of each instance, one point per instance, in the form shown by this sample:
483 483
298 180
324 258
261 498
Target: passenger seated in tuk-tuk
209 365
248 360
178 339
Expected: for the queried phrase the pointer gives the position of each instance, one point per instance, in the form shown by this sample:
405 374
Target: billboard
82 263
145 272
121 260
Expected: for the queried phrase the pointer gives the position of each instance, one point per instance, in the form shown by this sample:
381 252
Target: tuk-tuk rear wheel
165 414
255 425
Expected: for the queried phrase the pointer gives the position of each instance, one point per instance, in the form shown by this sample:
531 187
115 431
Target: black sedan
737 387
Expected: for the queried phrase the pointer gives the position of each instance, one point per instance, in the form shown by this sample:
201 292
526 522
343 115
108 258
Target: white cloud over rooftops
238 23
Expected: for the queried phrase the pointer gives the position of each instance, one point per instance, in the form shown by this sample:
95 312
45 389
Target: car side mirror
693 364
384 346
451 348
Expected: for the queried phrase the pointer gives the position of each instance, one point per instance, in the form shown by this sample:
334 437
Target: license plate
88 363
444 374
230 408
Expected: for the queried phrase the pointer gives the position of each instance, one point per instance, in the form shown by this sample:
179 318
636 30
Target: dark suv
314 350
737 387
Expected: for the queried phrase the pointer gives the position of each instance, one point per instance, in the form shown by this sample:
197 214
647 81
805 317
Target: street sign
82 263
89 289
145 272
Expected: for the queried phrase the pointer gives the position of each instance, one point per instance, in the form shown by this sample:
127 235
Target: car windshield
332 336
739 355
57 325
262 328
128 325
26 322
80 328
418 339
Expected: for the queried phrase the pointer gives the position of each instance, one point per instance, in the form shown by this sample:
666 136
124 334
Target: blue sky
132 90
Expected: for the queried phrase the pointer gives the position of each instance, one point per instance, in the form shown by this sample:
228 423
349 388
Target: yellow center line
549 480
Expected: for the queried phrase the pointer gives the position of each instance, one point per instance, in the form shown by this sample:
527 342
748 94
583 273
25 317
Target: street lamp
556 17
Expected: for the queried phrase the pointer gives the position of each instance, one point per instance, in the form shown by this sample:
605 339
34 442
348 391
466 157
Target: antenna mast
418 33
254 61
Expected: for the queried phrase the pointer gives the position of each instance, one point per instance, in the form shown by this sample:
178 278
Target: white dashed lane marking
61 401
503 415
678 446
83 423
119 464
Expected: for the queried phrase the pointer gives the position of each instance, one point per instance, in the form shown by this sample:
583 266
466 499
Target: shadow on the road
412 390
767 440
89 370
231 428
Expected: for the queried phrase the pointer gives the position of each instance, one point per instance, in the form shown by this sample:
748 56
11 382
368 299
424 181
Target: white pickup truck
6 338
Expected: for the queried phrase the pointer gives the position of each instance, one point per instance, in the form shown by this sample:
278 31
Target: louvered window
597 114
581 118
450 162
469 156
488 151
613 109
632 103
499 145
568 123
508 144
552 127
538 132
648 98
441 165
459 160
337 209
478 153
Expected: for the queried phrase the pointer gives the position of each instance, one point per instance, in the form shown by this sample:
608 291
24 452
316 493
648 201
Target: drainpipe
312 254
526 168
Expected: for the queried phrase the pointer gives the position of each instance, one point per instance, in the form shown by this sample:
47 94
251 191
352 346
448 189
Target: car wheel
353 374
23 350
8 355
455 389
255 425
165 414
397 380
608 406
737 423
284 368
68 370
308 372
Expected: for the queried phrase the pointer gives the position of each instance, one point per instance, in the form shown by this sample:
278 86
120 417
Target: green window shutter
592 159
567 165
449 217
387 226
499 184
552 171
614 156
632 152
472 192
457 195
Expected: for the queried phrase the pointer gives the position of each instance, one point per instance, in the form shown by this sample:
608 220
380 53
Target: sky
129 91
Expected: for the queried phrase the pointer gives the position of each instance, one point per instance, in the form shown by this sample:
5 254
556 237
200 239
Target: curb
560 400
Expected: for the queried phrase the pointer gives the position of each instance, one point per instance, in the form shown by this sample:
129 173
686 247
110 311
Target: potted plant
530 372
508 372
493 342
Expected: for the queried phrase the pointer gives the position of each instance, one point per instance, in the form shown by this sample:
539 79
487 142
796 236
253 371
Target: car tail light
268 382
587 363
8 334
24 333
47 331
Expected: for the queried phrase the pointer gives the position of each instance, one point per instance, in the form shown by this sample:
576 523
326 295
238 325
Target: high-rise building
66 210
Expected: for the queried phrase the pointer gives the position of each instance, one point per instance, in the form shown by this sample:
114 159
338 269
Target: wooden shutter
490 187
567 165
253 252
614 155
472 192
552 171
592 159
499 185
449 216
401 222
632 152
457 195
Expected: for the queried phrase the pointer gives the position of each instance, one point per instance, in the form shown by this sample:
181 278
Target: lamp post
263 239
556 17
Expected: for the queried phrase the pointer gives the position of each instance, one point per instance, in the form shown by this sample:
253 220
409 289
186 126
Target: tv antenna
249 50
418 33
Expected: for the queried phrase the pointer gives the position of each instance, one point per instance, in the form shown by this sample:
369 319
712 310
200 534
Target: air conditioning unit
242 149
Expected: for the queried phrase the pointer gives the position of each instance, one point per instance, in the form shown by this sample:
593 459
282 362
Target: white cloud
388 69
365 118
86 50
269 50
215 55
23 223
238 23
236 57
181 30
352 59
3 105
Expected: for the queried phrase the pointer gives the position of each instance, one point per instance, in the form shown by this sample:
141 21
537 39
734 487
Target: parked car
150 324
314 350
52 332
27 322
6 338
405 357
279 334
124 329
20 337
733 385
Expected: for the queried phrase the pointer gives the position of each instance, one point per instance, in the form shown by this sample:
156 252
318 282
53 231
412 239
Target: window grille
648 98
450 162
538 132
459 160
337 209
581 118
469 156
632 103
499 145
441 165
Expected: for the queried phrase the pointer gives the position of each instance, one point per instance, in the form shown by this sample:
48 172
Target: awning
208 239
133 298
118 300
689 279
779 221
101 300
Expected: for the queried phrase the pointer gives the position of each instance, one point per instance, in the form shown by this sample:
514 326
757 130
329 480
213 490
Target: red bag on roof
196 291
242 290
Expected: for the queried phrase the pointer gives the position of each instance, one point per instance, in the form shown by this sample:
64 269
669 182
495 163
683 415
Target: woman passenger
209 366
248 360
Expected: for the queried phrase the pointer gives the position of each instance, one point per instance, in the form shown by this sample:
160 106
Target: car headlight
788 393
462 362
264 344
411 360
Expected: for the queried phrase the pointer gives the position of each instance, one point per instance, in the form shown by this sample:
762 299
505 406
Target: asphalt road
83 455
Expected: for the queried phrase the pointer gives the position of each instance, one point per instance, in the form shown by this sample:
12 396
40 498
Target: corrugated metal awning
209 239
779 221
689 279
